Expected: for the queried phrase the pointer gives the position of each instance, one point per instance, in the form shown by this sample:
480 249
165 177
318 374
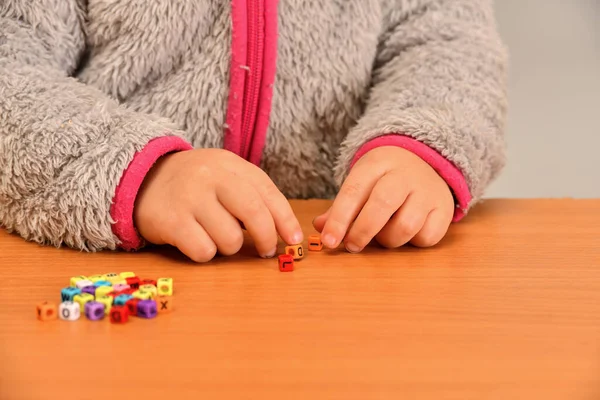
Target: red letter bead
119 314
286 263
314 243
133 282
46 311
132 306
295 251
148 282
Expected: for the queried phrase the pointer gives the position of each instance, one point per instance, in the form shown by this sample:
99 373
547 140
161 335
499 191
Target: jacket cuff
448 171
131 181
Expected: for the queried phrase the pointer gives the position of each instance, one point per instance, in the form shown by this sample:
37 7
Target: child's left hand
391 195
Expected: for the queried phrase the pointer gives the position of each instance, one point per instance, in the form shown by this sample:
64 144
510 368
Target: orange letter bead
286 263
46 311
164 304
314 243
295 251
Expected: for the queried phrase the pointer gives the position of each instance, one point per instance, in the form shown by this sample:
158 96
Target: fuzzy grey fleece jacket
93 92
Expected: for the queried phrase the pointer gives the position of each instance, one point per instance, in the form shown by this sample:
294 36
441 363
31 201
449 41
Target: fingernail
352 248
297 237
329 240
270 254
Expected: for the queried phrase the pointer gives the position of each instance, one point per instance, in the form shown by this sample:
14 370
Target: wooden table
506 307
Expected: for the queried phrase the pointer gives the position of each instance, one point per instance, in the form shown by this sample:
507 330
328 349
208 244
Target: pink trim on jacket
448 171
122 208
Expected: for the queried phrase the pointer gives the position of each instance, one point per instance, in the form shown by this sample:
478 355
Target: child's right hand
195 199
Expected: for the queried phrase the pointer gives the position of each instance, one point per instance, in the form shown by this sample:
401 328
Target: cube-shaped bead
103 290
119 287
126 275
69 311
83 298
83 283
106 301
295 251
128 291
149 288
132 305
286 263
133 282
112 277
96 278
121 299
120 281
90 289
119 314
164 303
46 311
165 286
315 243
148 282
68 293
94 310
146 309
75 279
142 295
102 283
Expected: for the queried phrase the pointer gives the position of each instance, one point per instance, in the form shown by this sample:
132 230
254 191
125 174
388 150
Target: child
169 121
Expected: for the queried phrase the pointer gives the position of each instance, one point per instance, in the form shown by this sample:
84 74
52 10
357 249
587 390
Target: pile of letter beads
296 252
117 296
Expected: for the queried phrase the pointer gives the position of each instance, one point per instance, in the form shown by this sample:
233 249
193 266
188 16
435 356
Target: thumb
319 222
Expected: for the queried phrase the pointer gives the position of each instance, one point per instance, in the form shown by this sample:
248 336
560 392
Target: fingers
221 226
434 230
406 223
352 196
385 199
285 220
193 241
319 222
242 200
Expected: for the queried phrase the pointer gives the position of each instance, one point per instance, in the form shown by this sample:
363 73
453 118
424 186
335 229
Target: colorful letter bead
96 278
76 279
119 314
46 311
68 311
112 277
149 288
132 305
121 299
315 243
128 291
133 282
119 287
148 282
83 298
286 262
103 290
94 310
165 286
106 301
146 309
102 283
68 293
125 275
164 303
295 251
90 289
142 295
83 283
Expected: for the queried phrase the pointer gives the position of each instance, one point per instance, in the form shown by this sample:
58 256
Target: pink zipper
253 67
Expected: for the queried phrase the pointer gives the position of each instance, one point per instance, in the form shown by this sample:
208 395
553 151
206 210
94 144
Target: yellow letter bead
165 286
295 251
83 298
125 275
46 311
149 288
120 282
76 279
112 277
106 300
96 278
142 295
164 304
103 290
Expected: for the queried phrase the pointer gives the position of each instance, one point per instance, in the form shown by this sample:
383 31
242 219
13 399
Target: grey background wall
554 120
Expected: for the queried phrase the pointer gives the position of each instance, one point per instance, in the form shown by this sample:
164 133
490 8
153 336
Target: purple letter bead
146 308
89 289
94 310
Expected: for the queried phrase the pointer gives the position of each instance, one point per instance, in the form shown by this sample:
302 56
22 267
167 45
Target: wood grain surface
506 307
